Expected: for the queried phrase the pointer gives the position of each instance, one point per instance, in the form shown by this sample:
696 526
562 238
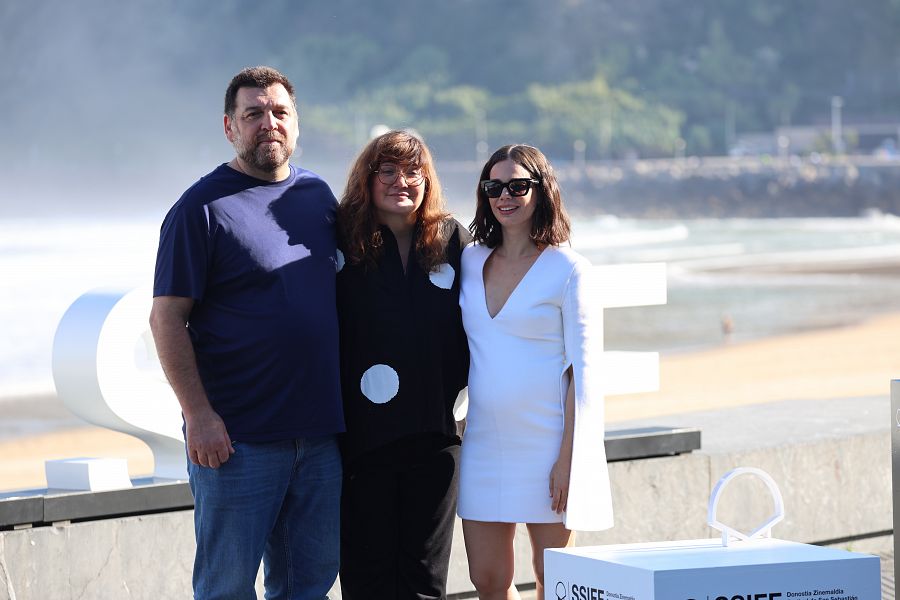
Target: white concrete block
641 284
630 372
89 474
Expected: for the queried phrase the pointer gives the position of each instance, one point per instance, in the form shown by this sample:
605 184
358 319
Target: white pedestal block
763 569
737 566
88 474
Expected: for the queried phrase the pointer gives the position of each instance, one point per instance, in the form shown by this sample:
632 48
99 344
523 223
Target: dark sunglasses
517 187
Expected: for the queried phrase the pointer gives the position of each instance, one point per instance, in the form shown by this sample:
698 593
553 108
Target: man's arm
208 443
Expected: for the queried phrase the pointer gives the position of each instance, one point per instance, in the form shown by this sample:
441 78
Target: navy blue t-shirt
259 260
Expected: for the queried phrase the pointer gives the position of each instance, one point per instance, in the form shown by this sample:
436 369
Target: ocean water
45 265
765 276
768 276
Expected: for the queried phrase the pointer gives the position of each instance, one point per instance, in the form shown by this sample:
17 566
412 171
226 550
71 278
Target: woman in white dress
533 445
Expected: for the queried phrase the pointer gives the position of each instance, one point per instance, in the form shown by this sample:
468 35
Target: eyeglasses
493 188
388 174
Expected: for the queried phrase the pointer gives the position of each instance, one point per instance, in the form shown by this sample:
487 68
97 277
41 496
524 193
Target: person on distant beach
246 330
404 359
533 449
727 327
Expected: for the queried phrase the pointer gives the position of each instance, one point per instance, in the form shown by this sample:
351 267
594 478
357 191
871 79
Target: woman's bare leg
543 536
489 547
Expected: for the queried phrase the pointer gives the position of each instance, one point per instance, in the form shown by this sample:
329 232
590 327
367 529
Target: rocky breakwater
723 187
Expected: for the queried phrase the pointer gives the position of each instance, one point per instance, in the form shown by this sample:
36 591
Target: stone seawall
831 460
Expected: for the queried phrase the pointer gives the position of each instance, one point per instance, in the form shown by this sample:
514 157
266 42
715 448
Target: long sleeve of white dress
589 504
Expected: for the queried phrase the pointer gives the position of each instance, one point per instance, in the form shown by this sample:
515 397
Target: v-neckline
404 270
487 309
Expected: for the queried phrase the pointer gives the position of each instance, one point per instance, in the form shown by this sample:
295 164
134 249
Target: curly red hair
357 219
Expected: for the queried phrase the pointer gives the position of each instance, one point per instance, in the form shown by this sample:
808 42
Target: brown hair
256 77
549 224
357 217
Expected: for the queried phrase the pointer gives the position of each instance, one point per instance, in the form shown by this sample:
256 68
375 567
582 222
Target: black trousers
398 507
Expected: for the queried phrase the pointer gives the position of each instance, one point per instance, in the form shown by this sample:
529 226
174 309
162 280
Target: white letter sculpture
618 286
107 372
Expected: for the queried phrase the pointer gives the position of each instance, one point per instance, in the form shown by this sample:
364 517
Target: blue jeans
278 502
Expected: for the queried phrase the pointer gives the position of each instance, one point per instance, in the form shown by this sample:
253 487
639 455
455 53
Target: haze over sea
769 276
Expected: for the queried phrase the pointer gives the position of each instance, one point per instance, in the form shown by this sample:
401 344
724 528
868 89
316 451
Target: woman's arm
559 474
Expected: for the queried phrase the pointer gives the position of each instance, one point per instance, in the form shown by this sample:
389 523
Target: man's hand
208 443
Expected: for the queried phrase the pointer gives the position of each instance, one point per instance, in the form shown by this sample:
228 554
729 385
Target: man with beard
245 327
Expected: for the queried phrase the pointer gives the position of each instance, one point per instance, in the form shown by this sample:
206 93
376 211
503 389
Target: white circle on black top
443 276
461 406
380 383
339 260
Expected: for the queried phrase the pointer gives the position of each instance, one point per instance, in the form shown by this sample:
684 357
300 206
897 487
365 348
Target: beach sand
847 362
844 362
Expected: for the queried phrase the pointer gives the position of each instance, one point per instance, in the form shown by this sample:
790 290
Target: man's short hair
257 77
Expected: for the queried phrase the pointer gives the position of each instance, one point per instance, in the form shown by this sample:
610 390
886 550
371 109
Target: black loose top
404 355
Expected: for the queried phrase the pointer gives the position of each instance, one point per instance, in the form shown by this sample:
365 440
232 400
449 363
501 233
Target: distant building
754 144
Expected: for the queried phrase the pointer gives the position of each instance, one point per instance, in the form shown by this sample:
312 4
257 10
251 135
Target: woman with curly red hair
404 359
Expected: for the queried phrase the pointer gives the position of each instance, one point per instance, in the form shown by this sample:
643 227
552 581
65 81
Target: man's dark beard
265 158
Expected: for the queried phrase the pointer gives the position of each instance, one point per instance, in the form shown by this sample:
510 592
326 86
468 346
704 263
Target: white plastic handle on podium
762 531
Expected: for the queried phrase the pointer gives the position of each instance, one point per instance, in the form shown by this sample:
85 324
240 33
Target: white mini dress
517 391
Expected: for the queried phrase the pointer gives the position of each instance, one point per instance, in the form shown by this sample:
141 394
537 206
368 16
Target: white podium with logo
738 566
